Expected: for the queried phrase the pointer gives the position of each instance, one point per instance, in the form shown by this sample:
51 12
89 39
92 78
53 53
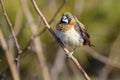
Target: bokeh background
100 17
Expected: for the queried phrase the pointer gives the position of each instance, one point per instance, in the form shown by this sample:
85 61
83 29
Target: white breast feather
70 37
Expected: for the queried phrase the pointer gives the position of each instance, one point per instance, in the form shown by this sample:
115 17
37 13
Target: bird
72 32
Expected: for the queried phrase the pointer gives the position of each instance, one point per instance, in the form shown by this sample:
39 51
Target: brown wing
82 30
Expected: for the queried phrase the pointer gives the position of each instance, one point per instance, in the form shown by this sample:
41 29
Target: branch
9 57
36 41
10 26
12 32
60 43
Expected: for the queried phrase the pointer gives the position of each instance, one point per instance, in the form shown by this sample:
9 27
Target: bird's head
66 18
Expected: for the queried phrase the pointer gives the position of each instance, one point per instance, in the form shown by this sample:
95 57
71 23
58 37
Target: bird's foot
70 54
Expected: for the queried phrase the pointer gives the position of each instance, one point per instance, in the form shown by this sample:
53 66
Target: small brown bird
72 32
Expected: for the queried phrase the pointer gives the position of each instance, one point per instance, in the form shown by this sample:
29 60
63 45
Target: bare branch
60 43
9 57
36 41
10 26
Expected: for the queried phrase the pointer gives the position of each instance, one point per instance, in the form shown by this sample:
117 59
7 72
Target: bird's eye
64 19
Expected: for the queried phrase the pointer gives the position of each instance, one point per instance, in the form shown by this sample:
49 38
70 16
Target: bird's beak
64 19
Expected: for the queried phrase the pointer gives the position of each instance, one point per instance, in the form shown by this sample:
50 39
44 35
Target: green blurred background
100 17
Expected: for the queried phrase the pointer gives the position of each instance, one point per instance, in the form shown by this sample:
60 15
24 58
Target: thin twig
9 57
10 26
17 30
60 43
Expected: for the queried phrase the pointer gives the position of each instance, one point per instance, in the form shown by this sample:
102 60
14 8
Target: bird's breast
70 37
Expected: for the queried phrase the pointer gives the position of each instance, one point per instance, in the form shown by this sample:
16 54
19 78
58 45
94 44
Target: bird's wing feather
81 29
